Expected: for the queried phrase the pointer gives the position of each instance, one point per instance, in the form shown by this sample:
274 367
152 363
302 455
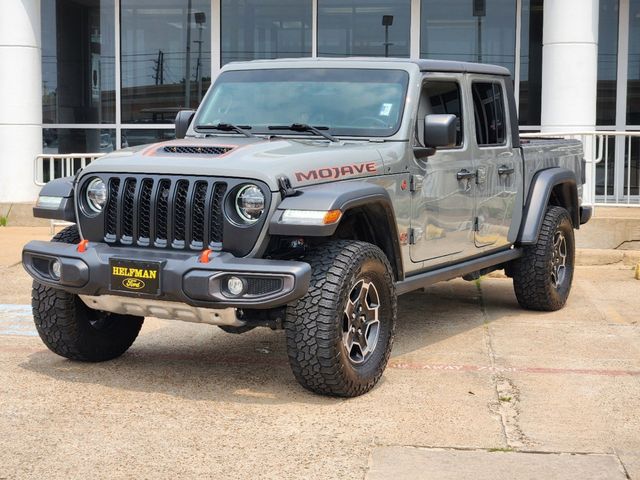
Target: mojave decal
333 173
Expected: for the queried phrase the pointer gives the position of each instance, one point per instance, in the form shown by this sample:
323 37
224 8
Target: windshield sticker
336 172
385 109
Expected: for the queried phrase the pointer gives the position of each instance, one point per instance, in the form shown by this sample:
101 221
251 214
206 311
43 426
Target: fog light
56 269
235 286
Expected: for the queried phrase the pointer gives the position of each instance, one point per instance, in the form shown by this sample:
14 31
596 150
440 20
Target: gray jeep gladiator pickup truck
307 195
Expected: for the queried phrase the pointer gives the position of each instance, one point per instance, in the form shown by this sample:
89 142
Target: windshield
349 102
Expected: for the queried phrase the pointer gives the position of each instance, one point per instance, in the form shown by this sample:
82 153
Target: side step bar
425 279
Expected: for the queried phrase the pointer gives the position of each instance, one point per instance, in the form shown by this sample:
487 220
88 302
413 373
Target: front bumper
183 277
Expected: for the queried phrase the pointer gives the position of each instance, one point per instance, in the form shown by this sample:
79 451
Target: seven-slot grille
161 212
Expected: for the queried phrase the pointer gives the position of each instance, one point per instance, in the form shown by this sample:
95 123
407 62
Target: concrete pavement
476 388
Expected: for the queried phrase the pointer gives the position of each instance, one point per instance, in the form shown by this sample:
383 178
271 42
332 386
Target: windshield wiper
303 127
228 127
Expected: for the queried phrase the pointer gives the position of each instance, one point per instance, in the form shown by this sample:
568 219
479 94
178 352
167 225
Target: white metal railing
600 155
51 166
604 150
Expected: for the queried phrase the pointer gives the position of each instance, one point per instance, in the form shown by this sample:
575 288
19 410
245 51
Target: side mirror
183 120
440 130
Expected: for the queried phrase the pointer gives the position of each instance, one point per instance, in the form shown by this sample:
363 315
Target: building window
488 110
633 82
78 61
132 137
73 140
531 63
472 31
78 140
607 63
166 57
253 29
372 28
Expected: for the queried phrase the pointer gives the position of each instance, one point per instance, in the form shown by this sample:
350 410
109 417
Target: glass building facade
115 72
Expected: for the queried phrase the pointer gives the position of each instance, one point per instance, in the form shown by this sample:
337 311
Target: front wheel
71 329
542 277
340 334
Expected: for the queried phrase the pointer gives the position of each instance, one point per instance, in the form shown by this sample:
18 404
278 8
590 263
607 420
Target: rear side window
442 97
488 110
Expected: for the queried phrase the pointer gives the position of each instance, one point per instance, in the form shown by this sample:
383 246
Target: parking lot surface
476 388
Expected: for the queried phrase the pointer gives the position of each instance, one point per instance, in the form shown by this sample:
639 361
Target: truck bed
541 153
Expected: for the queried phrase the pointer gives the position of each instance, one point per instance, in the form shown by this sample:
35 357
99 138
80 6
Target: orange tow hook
205 255
82 246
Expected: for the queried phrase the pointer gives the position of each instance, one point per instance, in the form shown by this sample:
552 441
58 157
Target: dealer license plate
133 276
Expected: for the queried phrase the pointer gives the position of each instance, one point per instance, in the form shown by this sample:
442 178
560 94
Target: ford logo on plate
133 284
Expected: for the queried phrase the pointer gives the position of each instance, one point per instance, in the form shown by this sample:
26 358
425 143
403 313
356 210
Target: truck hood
303 161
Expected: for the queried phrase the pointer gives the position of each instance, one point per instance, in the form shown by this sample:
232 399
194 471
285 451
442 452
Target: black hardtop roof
425 65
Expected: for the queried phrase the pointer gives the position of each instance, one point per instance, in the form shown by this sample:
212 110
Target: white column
414 35
20 98
569 65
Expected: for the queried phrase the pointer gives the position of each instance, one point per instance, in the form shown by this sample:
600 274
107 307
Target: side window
440 97
488 110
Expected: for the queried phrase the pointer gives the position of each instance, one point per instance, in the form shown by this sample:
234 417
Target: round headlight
96 194
250 203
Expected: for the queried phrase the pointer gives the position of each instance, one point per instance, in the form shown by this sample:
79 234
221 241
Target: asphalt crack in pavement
507 404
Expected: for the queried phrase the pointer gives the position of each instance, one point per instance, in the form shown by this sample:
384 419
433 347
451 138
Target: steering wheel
371 120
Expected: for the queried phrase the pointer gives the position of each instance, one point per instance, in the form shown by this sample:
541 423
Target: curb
597 257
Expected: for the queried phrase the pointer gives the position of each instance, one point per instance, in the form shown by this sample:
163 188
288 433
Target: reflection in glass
607 63
73 140
531 63
633 85
78 61
253 29
479 31
344 101
78 140
132 137
440 97
370 28
488 108
166 57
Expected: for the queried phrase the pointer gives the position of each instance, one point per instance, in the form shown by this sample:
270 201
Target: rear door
497 164
442 202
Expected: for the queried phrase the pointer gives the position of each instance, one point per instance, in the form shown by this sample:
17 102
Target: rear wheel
71 329
542 277
340 334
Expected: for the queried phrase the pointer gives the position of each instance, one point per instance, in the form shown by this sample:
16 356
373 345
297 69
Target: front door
442 207
497 164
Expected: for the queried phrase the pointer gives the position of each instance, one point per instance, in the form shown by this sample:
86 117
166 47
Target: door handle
504 170
465 174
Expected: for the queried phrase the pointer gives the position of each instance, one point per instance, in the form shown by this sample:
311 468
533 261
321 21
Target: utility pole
187 67
158 69
387 21
200 21
479 11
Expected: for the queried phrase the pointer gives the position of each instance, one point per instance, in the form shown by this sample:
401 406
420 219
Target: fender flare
343 196
63 188
542 185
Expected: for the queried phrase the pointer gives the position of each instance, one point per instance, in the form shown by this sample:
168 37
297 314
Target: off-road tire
64 322
314 324
532 273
